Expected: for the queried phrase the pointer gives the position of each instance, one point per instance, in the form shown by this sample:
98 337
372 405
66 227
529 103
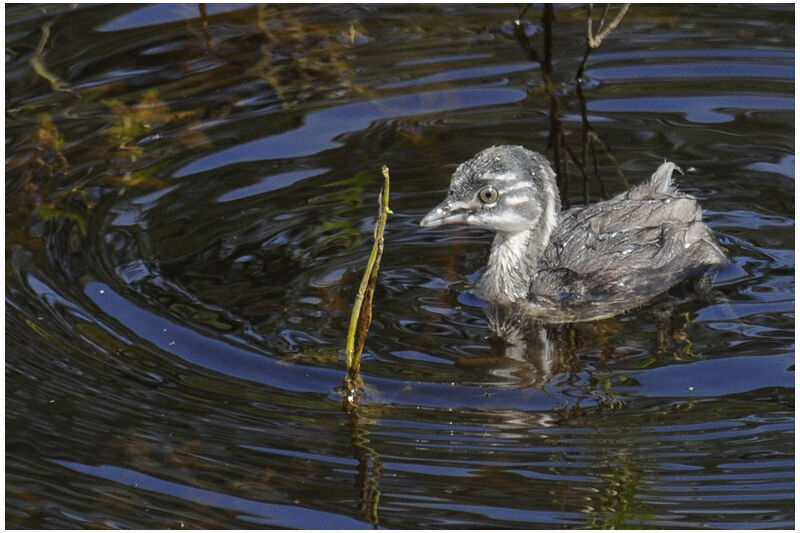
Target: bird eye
488 195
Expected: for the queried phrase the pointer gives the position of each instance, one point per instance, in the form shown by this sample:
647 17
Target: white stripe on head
516 199
506 176
516 187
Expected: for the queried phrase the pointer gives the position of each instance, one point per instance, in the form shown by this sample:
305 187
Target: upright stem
361 315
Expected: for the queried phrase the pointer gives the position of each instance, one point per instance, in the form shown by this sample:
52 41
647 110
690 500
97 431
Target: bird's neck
513 261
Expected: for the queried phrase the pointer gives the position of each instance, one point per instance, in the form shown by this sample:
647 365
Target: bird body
581 263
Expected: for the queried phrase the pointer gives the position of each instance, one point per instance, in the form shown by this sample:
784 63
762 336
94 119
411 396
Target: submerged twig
361 316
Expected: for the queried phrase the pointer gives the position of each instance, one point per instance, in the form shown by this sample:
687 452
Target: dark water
187 222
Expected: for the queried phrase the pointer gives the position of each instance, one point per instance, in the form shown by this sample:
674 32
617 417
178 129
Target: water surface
187 220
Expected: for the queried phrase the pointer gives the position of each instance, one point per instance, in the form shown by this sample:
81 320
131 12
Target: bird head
503 188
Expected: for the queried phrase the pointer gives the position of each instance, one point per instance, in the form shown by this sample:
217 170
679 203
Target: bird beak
448 212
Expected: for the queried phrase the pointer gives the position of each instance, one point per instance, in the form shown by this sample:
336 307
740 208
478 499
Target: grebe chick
582 263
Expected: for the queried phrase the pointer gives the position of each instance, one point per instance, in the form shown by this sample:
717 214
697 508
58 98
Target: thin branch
522 39
613 159
204 21
595 40
563 155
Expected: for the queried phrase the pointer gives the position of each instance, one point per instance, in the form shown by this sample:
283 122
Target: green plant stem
361 315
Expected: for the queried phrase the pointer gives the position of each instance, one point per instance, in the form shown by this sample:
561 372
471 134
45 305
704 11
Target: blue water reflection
320 129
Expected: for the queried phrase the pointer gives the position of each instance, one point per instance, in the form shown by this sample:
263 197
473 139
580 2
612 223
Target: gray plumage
583 262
